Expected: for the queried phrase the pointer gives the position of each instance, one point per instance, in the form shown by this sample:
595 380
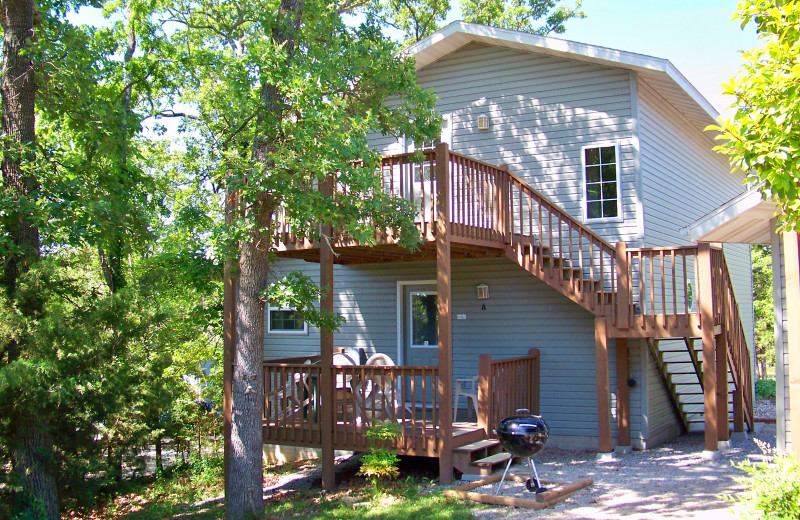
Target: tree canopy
417 19
762 138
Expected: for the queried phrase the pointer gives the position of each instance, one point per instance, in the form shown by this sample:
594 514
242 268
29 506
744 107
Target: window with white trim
601 182
285 321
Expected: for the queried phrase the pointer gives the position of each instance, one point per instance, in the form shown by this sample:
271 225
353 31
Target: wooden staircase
681 371
479 459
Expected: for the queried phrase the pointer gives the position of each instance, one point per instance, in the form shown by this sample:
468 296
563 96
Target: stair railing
726 314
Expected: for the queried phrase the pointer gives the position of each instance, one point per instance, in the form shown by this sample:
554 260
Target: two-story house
551 215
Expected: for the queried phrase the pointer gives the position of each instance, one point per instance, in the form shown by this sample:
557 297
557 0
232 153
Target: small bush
766 389
380 463
773 490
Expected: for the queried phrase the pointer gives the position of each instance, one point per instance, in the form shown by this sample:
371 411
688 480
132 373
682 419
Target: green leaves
763 136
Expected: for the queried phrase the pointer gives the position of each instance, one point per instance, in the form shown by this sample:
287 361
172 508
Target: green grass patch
176 494
313 506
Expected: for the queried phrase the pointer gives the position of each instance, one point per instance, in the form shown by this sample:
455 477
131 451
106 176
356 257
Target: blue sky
697 36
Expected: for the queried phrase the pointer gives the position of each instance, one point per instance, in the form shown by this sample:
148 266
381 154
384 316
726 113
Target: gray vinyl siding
542 111
683 179
784 426
522 313
662 421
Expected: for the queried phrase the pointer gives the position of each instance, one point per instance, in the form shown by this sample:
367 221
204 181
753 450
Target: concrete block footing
711 455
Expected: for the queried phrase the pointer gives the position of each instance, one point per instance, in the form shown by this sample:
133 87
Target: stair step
477 446
492 460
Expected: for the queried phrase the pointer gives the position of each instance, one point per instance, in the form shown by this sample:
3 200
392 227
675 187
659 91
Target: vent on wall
483 122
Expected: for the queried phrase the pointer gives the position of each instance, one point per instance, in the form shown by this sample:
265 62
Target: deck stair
681 372
479 459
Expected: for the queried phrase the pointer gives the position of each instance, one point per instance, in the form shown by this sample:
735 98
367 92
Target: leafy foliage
417 19
380 463
522 15
763 136
766 389
773 490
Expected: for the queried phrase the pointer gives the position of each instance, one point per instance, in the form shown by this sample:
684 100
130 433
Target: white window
285 321
446 136
601 183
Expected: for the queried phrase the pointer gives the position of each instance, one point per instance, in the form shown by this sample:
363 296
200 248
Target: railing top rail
514 360
292 360
658 249
389 368
405 155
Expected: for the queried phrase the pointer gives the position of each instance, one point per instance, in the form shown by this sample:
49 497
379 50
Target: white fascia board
747 211
434 47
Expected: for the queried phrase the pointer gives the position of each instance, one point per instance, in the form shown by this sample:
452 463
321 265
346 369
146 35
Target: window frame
584 179
296 332
410 303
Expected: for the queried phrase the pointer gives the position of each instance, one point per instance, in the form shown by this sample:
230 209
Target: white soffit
659 73
743 220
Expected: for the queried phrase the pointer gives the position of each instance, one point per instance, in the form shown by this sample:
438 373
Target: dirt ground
672 481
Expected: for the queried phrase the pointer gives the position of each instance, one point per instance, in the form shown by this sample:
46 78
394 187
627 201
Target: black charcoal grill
523 435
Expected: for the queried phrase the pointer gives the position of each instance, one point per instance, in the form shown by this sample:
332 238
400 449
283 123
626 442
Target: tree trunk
33 453
32 450
245 498
246 472
159 456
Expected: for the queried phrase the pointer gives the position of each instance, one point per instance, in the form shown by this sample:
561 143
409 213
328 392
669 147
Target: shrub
380 463
773 489
766 389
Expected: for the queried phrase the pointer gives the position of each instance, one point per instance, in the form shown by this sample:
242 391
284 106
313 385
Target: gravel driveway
672 481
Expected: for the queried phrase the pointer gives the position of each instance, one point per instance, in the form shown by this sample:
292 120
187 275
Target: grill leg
533 484
500 484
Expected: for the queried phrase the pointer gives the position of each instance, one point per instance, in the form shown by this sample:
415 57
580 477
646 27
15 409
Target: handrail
726 313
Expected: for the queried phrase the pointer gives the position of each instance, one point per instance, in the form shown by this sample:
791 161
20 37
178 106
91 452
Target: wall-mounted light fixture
482 291
483 122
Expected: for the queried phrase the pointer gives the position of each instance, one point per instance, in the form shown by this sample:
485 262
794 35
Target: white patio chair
292 397
378 393
468 387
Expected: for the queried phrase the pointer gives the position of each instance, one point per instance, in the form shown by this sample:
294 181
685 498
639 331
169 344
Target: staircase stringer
666 378
698 368
534 264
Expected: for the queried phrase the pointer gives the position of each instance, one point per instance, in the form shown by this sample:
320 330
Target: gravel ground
671 481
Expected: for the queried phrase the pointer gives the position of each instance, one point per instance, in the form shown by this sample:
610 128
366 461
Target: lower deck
414 440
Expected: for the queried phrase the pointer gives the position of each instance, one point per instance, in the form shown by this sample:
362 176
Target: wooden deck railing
364 396
506 385
659 285
559 247
726 314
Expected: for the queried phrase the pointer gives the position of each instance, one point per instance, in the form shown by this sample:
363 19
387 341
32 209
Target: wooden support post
603 386
723 425
791 254
444 313
706 300
484 395
535 379
327 391
228 342
504 202
623 287
623 394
